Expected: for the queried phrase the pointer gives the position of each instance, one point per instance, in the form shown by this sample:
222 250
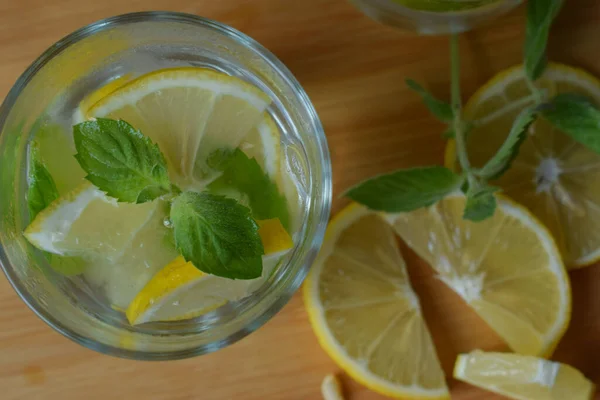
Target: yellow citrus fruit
507 268
553 176
523 377
187 112
364 312
181 291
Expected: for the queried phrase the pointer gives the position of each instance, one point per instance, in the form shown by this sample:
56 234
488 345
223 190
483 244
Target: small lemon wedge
523 377
181 291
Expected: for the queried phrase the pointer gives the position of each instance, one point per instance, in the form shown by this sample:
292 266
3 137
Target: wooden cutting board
354 70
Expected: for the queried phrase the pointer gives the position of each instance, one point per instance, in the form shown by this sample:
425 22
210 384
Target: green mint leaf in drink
41 190
217 234
406 190
121 161
244 175
440 109
576 116
502 160
540 14
481 204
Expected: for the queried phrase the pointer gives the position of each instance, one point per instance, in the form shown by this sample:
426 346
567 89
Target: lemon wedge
553 176
188 113
123 244
364 312
181 291
523 377
507 268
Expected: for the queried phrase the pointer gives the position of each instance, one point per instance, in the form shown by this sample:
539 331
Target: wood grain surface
353 69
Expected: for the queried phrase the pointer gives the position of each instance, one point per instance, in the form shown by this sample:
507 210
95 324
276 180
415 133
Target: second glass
434 17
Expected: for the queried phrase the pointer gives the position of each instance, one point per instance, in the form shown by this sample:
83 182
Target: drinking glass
124 47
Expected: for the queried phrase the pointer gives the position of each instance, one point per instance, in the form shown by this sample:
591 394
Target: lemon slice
181 291
69 225
507 268
189 112
123 244
522 377
364 312
553 176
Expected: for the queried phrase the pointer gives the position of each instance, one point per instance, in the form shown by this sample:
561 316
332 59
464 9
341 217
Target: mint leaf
243 174
121 161
540 14
217 234
501 161
440 109
407 189
481 204
577 116
41 190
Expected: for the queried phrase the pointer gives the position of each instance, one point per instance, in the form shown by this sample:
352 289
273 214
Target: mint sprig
576 115
121 161
217 234
244 175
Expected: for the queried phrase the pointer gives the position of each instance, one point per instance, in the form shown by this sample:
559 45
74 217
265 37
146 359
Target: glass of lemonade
433 17
230 123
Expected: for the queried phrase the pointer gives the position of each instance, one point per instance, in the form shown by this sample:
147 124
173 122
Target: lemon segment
274 236
69 226
507 268
553 176
188 113
523 377
364 312
180 291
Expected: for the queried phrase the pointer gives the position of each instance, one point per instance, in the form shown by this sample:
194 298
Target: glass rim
320 219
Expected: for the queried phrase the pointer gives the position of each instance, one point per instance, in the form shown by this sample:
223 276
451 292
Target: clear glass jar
130 45
434 17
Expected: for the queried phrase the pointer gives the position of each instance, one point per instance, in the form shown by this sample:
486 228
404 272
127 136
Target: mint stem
537 94
461 149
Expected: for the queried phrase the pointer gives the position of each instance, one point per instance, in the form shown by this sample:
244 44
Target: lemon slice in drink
523 377
507 268
181 291
364 312
69 226
123 244
188 112
553 176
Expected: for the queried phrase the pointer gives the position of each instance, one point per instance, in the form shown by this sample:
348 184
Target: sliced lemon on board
181 291
364 312
523 377
553 176
507 268
187 112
